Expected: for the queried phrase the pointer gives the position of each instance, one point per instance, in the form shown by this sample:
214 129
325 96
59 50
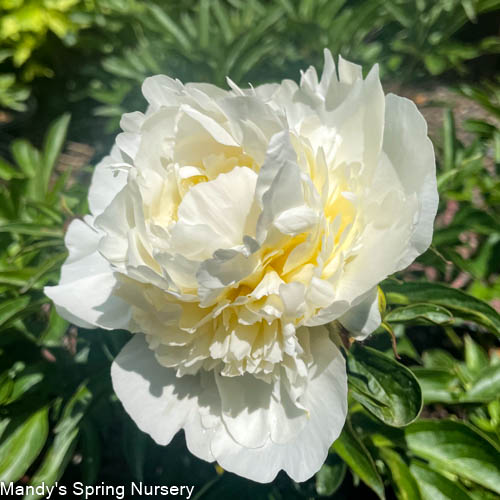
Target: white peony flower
226 228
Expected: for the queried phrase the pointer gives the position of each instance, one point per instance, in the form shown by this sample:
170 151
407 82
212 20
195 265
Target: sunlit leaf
383 386
21 443
458 448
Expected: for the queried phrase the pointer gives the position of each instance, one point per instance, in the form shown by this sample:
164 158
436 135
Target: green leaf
449 140
486 386
223 20
435 64
75 409
55 330
456 447
55 461
168 24
21 443
430 313
438 386
31 230
61 450
16 278
6 384
406 486
475 357
357 457
135 449
8 172
26 156
91 452
54 142
439 359
330 476
459 303
10 308
204 22
28 378
434 486
383 386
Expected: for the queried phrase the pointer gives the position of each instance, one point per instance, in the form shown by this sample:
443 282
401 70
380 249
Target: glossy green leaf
406 486
459 303
330 476
430 313
55 461
383 386
66 436
354 453
22 441
26 380
434 486
458 448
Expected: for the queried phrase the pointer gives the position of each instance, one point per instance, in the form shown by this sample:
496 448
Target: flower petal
408 147
364 317
326 400
106 183
159 402
84 294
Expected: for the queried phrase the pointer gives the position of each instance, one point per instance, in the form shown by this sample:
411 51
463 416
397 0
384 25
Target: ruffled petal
326 400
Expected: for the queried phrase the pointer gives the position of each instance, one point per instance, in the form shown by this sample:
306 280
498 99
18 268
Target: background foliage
422 425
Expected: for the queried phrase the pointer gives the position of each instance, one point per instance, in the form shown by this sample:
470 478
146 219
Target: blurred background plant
59 418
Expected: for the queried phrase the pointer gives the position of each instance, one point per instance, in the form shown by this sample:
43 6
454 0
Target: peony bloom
227 228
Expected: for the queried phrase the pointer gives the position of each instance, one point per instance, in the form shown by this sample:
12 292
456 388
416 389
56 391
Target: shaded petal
326 400
159 402
106 183
364 317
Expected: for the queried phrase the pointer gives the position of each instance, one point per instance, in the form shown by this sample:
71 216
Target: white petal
222 204
348 71
280 155
246 409
296 220
161 90
211 126
84 294
364 317
106 183
326 400
411 152
159 402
